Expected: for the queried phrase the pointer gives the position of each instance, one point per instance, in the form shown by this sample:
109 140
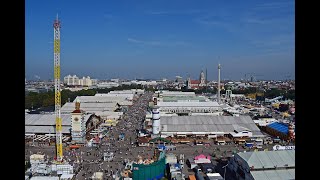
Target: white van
221 142
258 142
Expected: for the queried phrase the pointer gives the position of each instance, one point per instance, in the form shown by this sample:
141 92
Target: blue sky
162 38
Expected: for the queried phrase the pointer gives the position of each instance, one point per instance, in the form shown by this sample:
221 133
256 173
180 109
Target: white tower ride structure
155 121
219 67
56 34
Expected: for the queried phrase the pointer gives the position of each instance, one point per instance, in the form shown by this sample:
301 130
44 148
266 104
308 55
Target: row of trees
271 93
34 100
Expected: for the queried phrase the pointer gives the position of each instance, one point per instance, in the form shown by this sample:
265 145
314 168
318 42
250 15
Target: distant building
78 124
197 84
71 80
191 106
75 81
184 103
148 83
114 80
86 81
107 84
262 165
281 130
45 124
207 126
179 79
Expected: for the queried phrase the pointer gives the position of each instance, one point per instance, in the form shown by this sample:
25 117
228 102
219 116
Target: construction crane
57 95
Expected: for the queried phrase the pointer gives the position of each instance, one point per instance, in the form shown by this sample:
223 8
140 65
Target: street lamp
224 175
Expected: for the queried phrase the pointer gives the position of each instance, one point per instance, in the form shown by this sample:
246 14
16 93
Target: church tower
202 79
188 82
78 128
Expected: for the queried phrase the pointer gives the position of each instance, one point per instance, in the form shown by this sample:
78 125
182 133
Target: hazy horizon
162 39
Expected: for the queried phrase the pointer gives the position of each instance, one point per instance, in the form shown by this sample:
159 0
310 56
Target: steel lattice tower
57 96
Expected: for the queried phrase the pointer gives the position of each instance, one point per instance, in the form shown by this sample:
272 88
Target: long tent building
189 107
99 103
210 126
68 107
184 104
128 97
45 123
263 165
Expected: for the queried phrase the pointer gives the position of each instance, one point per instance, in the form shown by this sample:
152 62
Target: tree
27 165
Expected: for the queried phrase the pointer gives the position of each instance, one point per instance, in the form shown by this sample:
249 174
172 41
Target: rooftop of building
201 123
44 178
132 91
195 81
274 174
49 119
100 99
175 93
128 96
108 113
281 127
269 159
183 98
188 104
89 107
46 119
45 129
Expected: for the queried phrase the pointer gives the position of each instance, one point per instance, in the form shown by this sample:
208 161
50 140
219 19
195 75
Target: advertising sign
278 148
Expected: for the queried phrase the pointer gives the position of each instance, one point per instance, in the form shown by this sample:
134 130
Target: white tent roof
188 104
46 119
269 159
100 99
89 107
45 129
201 123
282 174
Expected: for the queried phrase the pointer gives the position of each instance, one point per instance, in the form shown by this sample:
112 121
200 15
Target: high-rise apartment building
75 81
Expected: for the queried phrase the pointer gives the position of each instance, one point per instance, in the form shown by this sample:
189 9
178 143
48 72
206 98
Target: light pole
225 168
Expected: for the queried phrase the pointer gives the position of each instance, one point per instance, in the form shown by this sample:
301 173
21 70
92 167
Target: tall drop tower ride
56 26
219 67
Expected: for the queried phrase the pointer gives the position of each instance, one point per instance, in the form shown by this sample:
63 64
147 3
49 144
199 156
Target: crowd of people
124 149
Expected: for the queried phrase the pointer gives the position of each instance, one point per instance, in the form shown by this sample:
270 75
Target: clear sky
162 38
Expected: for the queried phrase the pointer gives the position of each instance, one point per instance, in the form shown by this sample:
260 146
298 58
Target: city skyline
164 39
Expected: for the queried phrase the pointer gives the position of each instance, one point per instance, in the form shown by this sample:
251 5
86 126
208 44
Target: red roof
76 111
143 140
74 146
194 81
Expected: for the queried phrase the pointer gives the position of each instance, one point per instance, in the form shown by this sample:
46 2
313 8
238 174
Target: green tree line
34 100
271 93
46 99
